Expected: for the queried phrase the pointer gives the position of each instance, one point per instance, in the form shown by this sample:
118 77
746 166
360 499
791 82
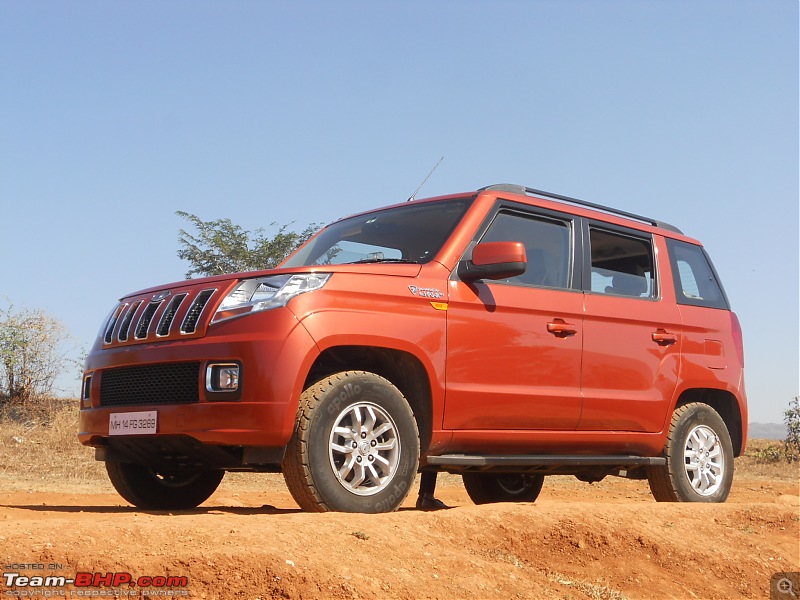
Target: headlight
263 293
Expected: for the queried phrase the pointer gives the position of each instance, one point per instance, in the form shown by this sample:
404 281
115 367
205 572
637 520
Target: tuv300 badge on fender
434 293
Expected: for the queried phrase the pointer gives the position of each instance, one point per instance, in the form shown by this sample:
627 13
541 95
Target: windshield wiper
384 260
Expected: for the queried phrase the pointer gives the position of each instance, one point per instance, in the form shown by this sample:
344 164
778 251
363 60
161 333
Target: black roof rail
520 189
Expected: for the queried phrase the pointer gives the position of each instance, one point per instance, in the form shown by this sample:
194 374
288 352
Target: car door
514 346
632 333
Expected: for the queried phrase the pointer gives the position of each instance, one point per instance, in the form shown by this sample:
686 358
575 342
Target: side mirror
494 260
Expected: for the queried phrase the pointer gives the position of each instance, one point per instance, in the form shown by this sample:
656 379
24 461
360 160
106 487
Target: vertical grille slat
125 327
147 317
193 316
112 322
165 324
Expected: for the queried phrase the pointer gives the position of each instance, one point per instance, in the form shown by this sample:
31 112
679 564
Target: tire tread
140 488
663 479
300 463
295 468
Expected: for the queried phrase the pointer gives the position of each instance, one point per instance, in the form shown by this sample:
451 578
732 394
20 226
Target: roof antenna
414 195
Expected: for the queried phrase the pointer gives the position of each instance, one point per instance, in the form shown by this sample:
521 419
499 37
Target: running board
545 462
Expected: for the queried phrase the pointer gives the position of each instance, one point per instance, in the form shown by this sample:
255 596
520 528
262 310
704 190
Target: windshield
412 233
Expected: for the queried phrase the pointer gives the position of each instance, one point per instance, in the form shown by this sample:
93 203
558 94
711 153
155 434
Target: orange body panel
505 371
629 379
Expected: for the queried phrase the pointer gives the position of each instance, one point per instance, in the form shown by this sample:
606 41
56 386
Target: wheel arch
401 368
726 404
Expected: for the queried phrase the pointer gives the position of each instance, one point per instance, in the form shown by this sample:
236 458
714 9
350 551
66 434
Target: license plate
133 423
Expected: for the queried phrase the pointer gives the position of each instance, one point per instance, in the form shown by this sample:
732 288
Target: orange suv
505 334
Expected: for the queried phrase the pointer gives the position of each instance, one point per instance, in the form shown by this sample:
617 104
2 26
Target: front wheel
167 489
699 457
355 446
486 488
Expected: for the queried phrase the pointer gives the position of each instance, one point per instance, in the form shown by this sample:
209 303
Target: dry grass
767 458
42 444
587 589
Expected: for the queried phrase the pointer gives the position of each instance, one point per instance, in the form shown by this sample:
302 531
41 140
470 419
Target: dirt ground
249 540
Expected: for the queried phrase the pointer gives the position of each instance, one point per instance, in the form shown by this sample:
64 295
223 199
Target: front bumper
275 353
214 423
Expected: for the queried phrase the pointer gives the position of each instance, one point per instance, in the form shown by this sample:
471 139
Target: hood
386 269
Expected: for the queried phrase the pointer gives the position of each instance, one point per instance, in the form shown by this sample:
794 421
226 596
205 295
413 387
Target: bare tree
791 416
31 354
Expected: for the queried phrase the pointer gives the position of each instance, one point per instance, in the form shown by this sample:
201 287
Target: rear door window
621 264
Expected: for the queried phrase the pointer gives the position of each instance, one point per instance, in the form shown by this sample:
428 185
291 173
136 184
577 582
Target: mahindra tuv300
505 334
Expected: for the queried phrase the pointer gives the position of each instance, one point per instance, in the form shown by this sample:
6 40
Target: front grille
168 315
170 383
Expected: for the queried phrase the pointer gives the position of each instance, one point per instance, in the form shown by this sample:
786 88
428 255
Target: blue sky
113 115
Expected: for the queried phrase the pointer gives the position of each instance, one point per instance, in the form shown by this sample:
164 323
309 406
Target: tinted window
547 246
414 232
622 265
696 282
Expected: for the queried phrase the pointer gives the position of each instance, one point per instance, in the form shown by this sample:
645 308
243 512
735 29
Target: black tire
162 490
699 457
487 488
333 463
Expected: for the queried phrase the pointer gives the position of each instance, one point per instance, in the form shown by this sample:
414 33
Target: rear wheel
168 489
486 488
699 457
355 447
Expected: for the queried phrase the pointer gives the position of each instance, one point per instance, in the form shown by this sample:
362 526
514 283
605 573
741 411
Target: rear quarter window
696 281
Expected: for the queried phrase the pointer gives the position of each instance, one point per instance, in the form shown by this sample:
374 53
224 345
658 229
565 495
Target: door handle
662 338
561 329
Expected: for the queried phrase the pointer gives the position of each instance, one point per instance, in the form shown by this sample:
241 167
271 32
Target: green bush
768 455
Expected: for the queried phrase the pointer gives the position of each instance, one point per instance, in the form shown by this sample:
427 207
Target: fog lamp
222 377
86 395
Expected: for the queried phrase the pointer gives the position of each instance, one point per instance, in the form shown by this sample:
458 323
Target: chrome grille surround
108 334
125 327
143 328
165 323
189 324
